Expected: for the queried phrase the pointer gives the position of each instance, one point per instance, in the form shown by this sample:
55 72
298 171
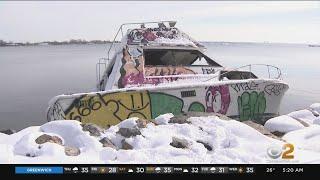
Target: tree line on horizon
71 41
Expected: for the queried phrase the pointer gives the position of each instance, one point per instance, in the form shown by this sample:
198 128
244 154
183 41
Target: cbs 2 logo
286 151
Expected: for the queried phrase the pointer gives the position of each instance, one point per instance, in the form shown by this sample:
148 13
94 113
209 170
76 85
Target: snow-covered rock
128 132
128 123
27 145
72 151
315 107
303 115
283 124
72 133
163 119
94 130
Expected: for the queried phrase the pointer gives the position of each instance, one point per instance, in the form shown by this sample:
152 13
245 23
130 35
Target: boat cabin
160 55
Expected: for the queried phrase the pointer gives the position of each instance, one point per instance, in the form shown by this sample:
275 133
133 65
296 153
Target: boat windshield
176 57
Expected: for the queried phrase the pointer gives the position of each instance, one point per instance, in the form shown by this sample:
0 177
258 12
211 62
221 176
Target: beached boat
157 70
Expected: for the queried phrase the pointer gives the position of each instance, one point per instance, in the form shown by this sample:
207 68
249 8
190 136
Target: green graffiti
196 106
251 105
164 103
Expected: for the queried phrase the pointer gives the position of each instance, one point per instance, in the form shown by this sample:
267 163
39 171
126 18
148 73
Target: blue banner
39 170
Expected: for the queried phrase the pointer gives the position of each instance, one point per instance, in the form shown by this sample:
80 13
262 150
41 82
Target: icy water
31 76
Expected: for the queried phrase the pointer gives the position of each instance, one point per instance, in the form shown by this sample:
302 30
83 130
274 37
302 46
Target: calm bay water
31 76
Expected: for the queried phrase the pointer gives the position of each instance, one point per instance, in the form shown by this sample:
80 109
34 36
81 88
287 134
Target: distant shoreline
92 42
70 42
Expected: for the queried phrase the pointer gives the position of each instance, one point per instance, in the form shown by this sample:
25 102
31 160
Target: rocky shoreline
191 137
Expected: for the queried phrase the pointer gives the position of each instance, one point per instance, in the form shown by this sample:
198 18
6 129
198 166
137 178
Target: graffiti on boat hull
197 107
162 103
274 89
218 99
107 109
247 86
111 108
251 105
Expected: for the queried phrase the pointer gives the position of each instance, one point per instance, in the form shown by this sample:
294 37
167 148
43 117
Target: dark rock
126 145
302 122
8 131
180 119
47 138
30 155
107 143
142 123
152 121
71 151
179 143
94 129
206 145
262 129
314 112
128 132
278 134
183 118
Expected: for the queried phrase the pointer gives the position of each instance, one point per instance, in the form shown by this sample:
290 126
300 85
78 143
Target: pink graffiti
149 36
132 78
218 99
132 71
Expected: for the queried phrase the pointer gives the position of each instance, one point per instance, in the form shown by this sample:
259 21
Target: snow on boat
158 70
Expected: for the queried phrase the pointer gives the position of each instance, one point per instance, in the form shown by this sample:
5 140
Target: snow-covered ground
197 140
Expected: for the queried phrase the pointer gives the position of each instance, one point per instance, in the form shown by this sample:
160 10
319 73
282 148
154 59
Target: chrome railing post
250 71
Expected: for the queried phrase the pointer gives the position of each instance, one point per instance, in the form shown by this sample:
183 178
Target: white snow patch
304 115
306 139
13 138
315 107
27 145
128 123
316 121
163 119
108 154
283 124
175 41
6 154
72 134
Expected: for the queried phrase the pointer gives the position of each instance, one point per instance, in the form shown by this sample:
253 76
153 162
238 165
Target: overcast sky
288 22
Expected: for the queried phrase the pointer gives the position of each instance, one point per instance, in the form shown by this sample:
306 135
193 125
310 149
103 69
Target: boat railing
208 77
250 67
181 75
121 29
101 66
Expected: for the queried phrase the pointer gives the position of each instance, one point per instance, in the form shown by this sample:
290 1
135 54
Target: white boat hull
251 99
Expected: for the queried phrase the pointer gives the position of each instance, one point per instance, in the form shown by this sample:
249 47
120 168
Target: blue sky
239 21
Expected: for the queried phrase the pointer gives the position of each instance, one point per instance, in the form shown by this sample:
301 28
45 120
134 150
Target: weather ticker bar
104 169
158 170
161 169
